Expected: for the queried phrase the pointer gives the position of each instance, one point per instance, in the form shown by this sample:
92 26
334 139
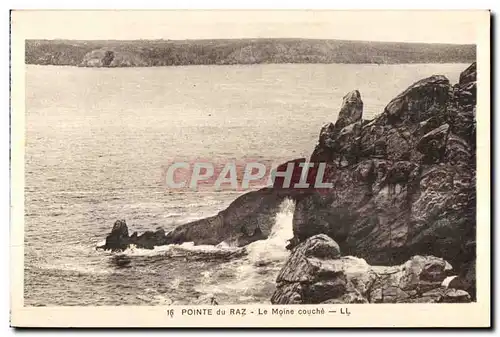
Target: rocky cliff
403 195
403 183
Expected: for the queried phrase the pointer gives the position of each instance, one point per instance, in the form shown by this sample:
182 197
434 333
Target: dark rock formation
316 273
339 141
247 219
119 239
351 111
403 183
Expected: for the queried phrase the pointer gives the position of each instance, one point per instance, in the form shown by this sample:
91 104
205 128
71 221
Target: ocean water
97 145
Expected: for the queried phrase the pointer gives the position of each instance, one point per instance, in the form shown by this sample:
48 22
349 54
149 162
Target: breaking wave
229 274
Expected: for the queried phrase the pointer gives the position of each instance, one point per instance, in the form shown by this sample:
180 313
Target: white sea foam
244 277
273 248
179 250
255 272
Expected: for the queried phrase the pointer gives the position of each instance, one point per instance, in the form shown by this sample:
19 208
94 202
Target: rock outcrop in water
404 182
316 273
119 238
247 219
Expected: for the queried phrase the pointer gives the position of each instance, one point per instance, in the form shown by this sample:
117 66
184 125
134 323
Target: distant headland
151 53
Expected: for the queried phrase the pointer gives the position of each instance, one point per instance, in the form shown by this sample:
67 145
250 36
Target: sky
458 27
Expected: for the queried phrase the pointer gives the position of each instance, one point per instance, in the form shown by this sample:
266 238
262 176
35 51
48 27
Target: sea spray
273 248
249 278
252 278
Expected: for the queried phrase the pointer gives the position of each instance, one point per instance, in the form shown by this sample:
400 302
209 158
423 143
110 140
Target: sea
98 141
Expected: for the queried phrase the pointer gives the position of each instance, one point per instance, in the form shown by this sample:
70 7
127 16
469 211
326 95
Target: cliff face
404 182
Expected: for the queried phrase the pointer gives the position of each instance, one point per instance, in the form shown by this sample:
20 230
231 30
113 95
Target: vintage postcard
259 168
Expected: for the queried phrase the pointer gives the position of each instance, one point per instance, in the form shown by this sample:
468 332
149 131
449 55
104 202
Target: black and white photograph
298 160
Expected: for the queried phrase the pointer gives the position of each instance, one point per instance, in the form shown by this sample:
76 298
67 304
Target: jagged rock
311 273
419 102
339 141
307 261
351 110
410 189
119 239
347 144
315 276
149 239
395 133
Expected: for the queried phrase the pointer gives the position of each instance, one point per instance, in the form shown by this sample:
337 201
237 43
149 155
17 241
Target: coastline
150 53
